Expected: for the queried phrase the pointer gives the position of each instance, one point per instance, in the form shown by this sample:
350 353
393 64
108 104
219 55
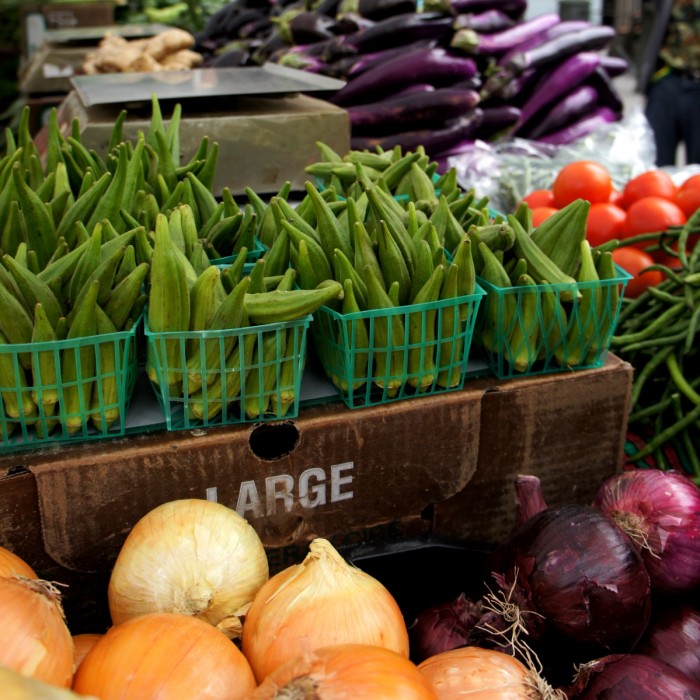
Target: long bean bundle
657 334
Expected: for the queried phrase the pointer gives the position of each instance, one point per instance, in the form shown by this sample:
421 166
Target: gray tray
199 83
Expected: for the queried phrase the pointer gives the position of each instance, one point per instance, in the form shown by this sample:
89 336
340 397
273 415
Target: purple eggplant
412 89
582 100
410 112
400 30
300 27
234 57
434 65
436 140
584 126
486 22
377 9
556 82
614 65
472 42
498 121
594 38
369 60
607 92
556 30
513 8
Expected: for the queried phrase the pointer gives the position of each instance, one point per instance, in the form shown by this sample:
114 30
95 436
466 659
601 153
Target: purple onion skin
673 636
661 511
632 677
576 569
442 627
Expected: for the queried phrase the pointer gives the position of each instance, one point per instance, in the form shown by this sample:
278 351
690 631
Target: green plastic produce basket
536 330
66 390
384 355
252 255
221 377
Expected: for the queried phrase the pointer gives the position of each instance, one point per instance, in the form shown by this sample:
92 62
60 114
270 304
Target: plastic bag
506 171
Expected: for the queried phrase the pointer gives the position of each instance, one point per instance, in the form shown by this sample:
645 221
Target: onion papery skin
673 636
632 677
82 643
12 565
443 627
189 556
164 656
479 674
661 512
576 569
347 672
15 686
321 602
34 638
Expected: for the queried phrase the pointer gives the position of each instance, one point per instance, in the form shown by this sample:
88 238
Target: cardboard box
347 476
50 68
569 430
263 141
37 19
439 465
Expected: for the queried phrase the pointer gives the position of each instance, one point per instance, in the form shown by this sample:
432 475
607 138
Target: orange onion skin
164 656
82 643
297 611
344 671
13 565
34 638
480 674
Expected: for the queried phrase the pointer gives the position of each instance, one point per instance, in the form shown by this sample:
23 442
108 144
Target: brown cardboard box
343 475
50 68
442 465
263 141
568 429
36 19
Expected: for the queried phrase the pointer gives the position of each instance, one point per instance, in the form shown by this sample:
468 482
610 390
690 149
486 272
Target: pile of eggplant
437 73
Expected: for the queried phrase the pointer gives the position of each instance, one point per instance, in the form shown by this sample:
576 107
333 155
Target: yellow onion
82 643
346 671
192 557
34 638
165 656
15 686
12 565
321 602
483 674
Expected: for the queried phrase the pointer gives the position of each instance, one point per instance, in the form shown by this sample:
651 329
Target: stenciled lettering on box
315 487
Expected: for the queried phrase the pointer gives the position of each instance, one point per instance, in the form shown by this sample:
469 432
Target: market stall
326 377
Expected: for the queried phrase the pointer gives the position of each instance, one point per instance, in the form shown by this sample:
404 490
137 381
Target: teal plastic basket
240 375
527 330
66 390
252 256
384 355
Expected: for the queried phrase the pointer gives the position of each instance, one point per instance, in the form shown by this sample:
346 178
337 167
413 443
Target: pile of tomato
650 202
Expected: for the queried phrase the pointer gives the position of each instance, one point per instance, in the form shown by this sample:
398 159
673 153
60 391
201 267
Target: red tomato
688 196
539 214
635 262
539 198
650 214
615 197
582 179
604 223
652 183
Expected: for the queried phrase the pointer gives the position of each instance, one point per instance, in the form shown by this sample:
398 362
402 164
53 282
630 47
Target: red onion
660 511
443 627
579 573
673 636
632 677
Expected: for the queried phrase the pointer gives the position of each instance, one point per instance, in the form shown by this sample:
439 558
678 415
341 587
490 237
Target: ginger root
169 50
